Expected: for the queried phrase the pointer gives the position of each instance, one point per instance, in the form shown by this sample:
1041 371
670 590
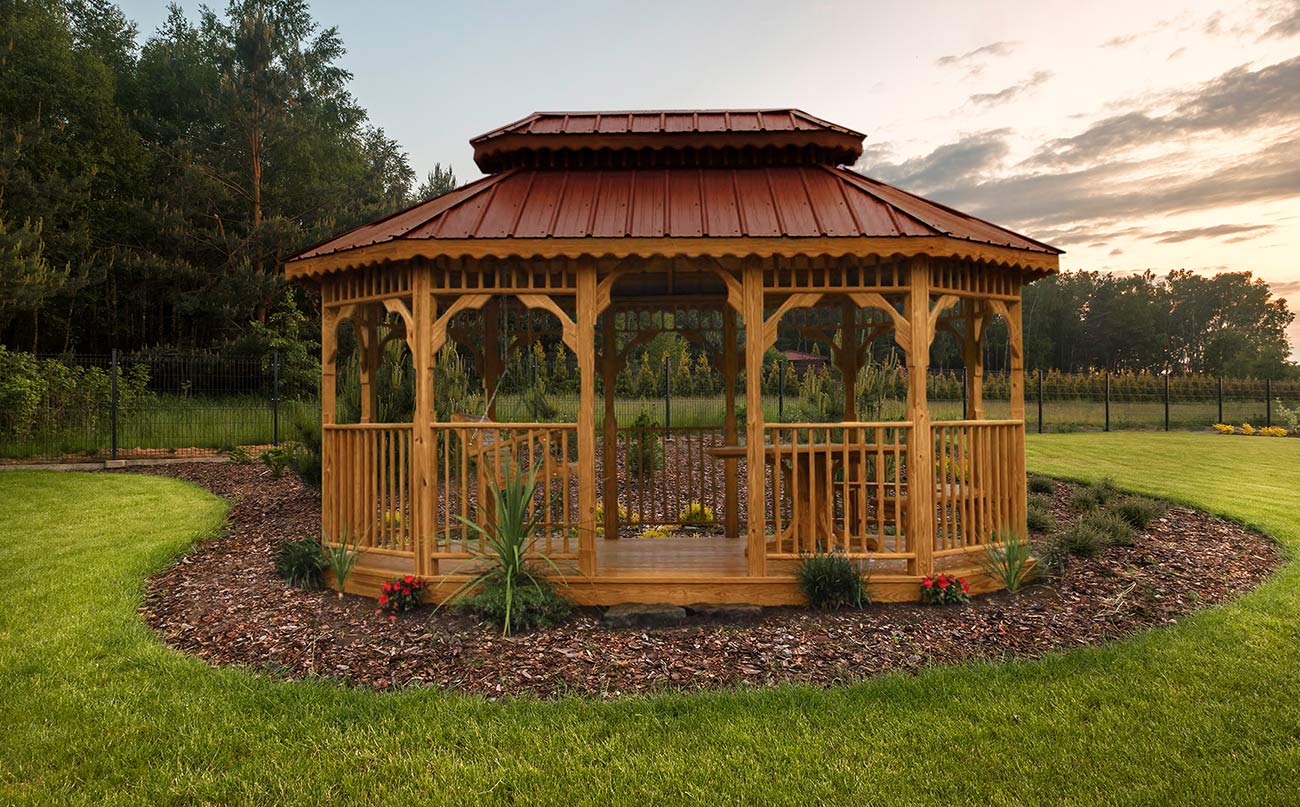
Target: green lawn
94 709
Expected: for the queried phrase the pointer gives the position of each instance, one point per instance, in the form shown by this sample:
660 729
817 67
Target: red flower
928 582
383 599
408 579
406 591
943 582
965 587
392 617
378 611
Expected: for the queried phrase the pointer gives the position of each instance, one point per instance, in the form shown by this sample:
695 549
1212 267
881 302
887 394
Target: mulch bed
223 603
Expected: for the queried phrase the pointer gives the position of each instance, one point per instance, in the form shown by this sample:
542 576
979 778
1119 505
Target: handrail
365 426
977 423
848 424
499 424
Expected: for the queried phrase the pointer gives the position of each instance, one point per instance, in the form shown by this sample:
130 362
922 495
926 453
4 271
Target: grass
96 710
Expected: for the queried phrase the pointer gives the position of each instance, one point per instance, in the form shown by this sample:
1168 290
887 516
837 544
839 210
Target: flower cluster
1247 429
944 589
400 594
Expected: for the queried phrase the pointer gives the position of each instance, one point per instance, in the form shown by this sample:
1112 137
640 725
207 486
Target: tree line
150 185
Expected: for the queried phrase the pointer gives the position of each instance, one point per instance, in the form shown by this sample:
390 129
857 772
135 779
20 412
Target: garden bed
224 603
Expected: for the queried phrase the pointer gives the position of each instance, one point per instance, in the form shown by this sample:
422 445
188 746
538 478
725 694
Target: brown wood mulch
224 603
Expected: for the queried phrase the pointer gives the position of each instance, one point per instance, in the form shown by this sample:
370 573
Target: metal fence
132 406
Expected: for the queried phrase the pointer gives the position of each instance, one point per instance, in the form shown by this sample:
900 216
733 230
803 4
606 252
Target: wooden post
491 353
973 357
367 329
755 461
609 370
731 483
920 453
329 323
1020 495
585 337
848 358
424 487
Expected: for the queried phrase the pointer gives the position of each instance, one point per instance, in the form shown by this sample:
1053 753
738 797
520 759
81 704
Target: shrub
832 581
401 594
1080 539
305 455
1041 485
1008 562
645 453
659 531
1138 511
944 589
1272 431
1224 428
1115 531
238 455
301 563
1082 500
342 557
696 514
277 459
534 604
1038 519
1103 491
506 545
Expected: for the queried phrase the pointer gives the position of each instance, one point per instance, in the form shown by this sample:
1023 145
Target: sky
1134 135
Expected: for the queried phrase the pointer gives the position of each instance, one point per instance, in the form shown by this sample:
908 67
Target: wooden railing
660 473
837 487
979 476
366 483
468 458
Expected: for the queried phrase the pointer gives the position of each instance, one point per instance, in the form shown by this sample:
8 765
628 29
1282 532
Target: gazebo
725 227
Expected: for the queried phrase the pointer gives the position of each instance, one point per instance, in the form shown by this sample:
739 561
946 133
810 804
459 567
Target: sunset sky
1154 135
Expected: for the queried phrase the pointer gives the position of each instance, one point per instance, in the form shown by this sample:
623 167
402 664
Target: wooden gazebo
735 222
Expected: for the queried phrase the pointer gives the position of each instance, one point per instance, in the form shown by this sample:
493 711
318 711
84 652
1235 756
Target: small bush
1138 511
277 459
1082 500
1080 539
1112 527
645 451
1041 485
238 455
1008 562
305 455
945 589
1104 491
401 594
1038 519
832 581
301 563
696 514
531 604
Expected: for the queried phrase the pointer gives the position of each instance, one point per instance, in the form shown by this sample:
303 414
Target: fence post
1166 400
112 417
1220 380
1268 403
780 390
275 398
1040 400
965 404
1107 428
668 403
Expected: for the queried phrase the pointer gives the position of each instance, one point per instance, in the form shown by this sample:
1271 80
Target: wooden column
585 337
1020 495
731 482
329 323
491 354
920 452
848 358
755 462
367 330
973 357
424 486
609 366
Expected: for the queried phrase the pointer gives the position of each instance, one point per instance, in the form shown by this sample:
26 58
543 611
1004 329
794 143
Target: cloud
1238 100
1176 54
973 60
967 159
1286 288
1122 41
1116 251
1288 25
1039 78
1244 232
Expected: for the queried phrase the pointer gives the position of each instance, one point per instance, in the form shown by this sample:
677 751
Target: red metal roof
665 139
795 201
691 120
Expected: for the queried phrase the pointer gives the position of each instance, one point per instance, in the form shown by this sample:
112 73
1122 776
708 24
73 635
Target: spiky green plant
342 557
509 544
300 563
1008 561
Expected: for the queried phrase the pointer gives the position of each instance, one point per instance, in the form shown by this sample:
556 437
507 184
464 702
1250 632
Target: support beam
973 357
847 357
491 354
367 328
609 366
731 482
424 485
755 463
920 452
584 345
